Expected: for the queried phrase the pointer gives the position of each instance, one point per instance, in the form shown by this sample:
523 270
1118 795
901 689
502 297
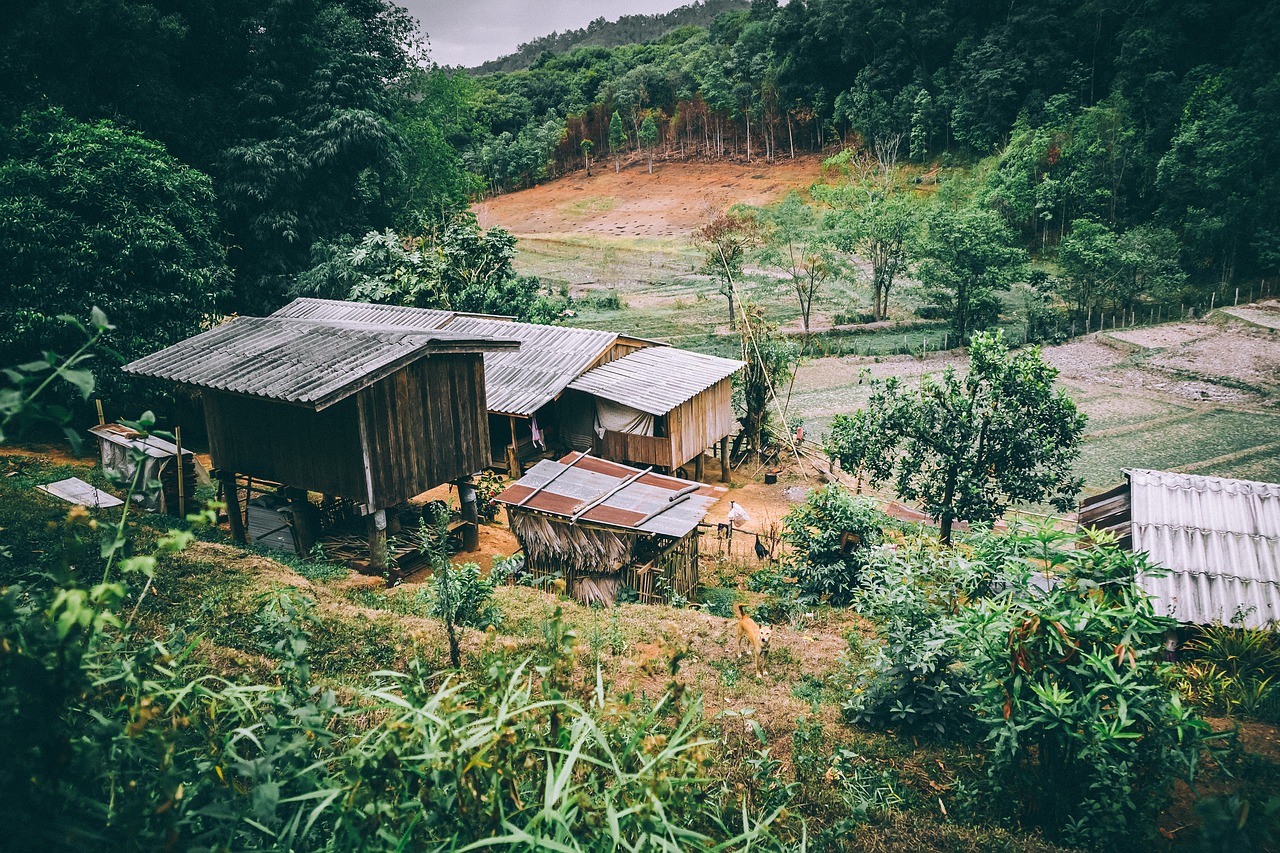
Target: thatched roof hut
601 526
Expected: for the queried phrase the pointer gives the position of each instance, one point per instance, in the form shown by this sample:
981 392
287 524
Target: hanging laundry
538 440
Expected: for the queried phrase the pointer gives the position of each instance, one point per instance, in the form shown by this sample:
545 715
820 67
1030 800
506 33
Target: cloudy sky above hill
469 32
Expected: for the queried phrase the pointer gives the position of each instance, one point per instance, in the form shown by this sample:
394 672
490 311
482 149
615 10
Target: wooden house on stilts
621 398
374 414
601 526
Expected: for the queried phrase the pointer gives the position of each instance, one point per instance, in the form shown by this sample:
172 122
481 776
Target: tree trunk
948 516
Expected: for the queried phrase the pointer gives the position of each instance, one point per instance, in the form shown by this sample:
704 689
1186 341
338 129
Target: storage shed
663 406
373 414
1218 538
600 525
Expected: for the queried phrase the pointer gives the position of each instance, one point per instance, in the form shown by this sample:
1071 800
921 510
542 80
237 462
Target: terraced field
1199 396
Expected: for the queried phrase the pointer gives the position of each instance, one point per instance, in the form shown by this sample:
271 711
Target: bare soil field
671 202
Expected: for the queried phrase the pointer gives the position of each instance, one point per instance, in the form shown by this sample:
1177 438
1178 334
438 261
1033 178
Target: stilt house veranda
372 414
600 526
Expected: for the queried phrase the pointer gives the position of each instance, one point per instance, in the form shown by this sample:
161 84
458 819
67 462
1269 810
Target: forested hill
1156 112
628 29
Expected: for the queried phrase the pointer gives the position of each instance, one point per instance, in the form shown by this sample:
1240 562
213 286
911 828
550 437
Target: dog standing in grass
754 634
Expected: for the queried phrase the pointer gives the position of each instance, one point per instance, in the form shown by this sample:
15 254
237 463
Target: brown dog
756 635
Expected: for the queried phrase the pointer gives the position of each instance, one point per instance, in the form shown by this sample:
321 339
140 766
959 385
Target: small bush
469 596
488 486
1233 671
932 312
914 680
718 602
831 535
609 301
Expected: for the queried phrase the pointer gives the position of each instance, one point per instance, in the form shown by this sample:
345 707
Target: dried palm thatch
586 549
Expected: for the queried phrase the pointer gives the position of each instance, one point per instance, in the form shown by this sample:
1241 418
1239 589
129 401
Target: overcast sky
469 32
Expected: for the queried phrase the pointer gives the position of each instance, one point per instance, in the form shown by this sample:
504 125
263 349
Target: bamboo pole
102 421
182 488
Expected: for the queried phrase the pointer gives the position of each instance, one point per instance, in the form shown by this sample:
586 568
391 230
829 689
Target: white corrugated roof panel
1218 538
657 379
519 382
302 362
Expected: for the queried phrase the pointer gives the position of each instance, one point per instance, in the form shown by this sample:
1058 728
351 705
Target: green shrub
1086 737
717 601
468 597
915 680
1233 670
831 535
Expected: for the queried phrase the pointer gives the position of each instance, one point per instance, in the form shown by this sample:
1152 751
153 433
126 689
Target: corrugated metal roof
657 379
519 382
562 488
302 362
1219 539
338 311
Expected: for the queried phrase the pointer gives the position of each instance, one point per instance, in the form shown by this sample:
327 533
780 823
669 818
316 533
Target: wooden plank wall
622 346
427 424
319 451
637 449
697 423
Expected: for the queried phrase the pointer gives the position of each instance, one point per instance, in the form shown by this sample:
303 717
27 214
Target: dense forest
1152 112
628 29
255 147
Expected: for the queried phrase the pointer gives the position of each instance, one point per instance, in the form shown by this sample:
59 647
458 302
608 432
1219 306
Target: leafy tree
796 245
617 138
436 115
1090 259
649 138
725 240
455 267
831 536
967 256
95 215
876 226
967 448
1207 180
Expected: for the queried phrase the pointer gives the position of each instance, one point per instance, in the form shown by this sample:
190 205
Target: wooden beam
231 493
514 464
724 459
182 489
608 494
697 467
376 524
660 510
470 514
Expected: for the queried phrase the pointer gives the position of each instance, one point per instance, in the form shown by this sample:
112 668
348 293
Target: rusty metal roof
657 379
628 499
519 382
1219 539
301 362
